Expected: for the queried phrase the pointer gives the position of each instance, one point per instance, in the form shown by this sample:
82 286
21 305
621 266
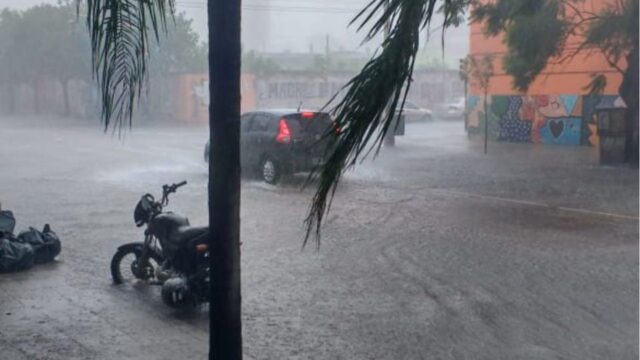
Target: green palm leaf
366 112
120 51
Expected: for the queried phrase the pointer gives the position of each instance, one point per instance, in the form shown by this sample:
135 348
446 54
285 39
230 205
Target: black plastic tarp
7 221
14 255
28 248
45 244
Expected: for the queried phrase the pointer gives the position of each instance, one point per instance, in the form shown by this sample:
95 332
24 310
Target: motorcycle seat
185 234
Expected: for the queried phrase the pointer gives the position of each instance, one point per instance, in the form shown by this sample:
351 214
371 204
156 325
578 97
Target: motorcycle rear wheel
130 259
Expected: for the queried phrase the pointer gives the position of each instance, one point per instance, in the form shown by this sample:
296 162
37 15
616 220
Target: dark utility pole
224 180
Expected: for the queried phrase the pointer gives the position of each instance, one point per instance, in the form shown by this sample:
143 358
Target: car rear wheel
270 171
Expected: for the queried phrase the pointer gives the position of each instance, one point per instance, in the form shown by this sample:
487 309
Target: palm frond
367 110
119 47
453 12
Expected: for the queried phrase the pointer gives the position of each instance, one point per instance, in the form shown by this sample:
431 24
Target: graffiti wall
540 119
190 96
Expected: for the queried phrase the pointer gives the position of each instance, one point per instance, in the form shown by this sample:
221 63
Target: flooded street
432 251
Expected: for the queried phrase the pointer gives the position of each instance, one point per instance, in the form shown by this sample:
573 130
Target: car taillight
307 115
284 134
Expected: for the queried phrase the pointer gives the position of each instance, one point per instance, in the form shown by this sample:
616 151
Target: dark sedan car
281 142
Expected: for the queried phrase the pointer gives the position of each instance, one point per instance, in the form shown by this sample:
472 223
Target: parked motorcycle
174 254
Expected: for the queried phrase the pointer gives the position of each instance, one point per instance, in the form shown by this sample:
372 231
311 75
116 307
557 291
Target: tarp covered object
7 221
28 248
45 244
14 255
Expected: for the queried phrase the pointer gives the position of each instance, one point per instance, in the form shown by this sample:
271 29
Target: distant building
301 80
291 88
556 109
189 96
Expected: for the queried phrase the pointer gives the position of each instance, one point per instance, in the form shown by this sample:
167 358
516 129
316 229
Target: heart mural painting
556 127
564 130
548 119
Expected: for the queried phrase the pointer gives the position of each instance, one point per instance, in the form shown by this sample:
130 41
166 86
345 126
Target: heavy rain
486 181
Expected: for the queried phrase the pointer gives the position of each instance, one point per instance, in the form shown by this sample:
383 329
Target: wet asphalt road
433 251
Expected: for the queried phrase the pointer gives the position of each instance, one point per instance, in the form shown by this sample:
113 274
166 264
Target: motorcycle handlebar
172 188
168 189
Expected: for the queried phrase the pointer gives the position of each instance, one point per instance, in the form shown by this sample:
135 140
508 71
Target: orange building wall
555 109
568 77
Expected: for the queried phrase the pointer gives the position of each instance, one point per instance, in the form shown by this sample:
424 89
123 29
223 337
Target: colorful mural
513 127
540 119
474 105
561 131
476 118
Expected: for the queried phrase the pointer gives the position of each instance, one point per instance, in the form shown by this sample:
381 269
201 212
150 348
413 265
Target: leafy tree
480 72
52 53
26 56
537 32
37 47
62 53
65 45
119 46
464 72
12 73
181 50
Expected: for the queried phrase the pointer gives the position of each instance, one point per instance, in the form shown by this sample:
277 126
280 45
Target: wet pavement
433 251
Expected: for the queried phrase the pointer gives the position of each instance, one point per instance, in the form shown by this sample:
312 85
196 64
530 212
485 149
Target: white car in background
452 110
413 112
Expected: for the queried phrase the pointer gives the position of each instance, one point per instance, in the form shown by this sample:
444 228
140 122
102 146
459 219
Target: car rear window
312 123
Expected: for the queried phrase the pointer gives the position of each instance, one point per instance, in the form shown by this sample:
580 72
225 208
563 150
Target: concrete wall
289 89
189 94
185 97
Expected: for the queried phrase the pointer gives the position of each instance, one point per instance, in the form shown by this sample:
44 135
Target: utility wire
276 8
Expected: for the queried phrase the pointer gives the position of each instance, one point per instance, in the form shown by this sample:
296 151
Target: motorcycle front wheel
126 266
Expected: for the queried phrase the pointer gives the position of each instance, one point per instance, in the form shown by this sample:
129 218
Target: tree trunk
466 108
65 95
486 122
629 93
224 179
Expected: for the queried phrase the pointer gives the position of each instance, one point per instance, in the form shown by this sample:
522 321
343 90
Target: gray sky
299 25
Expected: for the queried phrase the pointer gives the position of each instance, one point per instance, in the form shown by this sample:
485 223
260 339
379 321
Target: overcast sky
300 25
